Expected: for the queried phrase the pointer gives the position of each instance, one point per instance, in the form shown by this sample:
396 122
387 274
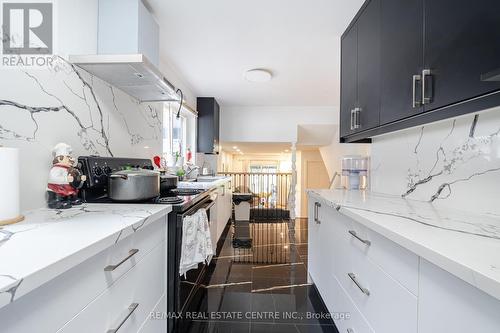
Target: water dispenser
354 172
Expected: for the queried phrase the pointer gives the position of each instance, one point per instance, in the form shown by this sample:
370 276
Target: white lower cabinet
346 315
384 287
350 282
157 322
90 296
448 304
224 207
128 302
319 243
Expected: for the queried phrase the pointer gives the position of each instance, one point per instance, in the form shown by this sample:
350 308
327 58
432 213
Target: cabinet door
313 241
448 304
348 91
368 26
462 42
216 127
401 45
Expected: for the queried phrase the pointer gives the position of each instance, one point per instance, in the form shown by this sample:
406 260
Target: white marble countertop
50 242
464 244
205 185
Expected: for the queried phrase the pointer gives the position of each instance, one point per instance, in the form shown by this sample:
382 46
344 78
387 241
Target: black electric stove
97 169
185 202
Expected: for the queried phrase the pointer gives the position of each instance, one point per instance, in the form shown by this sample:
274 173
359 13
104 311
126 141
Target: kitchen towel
9 184
196 241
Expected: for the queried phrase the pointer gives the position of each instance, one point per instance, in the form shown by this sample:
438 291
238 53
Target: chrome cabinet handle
355 235
350 330
131 310
415 103
365 291
357 118
425 100
352 119
317 205
111 268
315 213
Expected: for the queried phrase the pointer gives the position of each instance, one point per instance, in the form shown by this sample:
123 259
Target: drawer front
387 306
62 298
346 316
399 263
140 286
156 323
143 240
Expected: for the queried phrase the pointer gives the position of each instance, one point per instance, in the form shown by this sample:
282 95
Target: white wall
271 124
332 155
112 123
303 157
241 163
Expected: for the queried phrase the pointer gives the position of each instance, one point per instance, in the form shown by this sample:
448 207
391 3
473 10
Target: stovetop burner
170 200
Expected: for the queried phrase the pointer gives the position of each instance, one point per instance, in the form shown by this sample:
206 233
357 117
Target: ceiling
212 43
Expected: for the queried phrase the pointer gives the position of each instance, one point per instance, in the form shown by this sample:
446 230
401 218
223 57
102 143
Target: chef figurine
64 179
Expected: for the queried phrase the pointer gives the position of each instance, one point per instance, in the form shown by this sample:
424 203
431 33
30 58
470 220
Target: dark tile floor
264 288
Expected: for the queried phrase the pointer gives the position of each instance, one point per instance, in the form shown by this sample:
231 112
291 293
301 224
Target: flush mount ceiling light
258 75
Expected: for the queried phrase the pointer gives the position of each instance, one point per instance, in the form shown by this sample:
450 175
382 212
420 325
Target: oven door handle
206 206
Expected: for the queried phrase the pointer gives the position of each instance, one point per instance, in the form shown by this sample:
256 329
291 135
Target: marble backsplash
453 163
40 107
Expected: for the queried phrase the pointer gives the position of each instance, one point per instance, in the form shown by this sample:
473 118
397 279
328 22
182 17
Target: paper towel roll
9 184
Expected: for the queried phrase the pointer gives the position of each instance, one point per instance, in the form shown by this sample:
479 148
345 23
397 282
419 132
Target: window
179 134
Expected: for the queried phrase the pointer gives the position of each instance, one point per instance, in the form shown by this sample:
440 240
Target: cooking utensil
134 185
167 183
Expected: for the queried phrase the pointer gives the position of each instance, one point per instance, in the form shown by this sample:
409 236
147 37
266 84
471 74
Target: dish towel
196 241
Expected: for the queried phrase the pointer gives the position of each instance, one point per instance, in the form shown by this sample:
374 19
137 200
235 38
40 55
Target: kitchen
171 166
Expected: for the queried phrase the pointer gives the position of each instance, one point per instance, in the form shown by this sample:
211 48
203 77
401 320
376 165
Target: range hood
127 56
132 73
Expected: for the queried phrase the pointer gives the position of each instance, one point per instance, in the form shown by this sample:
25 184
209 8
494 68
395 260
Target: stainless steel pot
167 183
134 185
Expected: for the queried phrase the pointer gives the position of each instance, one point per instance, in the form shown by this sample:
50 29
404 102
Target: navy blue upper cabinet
349 83
462 42
402 59
436 59
360 72
208 125
368 105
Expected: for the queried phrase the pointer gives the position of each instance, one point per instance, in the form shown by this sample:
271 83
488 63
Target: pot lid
137 172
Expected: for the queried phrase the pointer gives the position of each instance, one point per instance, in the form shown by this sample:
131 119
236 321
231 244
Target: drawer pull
317 206
365 291
350 330
131 310
111 268
355 235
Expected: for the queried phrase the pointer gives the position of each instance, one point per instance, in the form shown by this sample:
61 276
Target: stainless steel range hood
132 73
